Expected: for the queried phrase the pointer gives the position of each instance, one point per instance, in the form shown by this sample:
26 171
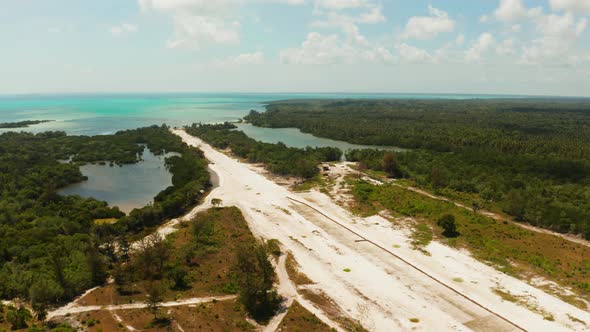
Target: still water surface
128 186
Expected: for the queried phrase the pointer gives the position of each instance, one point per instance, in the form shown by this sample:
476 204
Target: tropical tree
447 222
155 294
18 317
256 282
390 164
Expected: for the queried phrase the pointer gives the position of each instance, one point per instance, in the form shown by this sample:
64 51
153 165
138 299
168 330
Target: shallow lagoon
295 138
128 186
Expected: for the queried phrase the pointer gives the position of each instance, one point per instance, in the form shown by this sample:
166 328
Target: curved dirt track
76 309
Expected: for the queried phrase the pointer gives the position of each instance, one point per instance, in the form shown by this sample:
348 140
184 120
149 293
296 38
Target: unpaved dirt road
76 309
365 280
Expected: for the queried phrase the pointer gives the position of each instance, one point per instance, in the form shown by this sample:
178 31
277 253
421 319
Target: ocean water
99 114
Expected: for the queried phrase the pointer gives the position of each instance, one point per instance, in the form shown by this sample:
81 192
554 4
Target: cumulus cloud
514 10
554 37
334 14
320 49
413 54
341 4
484 42
574 6
344 43
255 58
559 36
428 27
123 29
198 22
202 22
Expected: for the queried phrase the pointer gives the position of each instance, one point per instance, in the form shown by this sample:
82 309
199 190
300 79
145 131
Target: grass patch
523 301
504 245
576 320
300 319
206 248
506 296
414 320
351 325
421 237
458 280
213 316
293 271
317 181
274 247
346 270
287 212
106 221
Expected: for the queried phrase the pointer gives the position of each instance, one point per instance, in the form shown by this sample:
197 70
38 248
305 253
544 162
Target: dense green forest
21 124
529 157
50 248
278 158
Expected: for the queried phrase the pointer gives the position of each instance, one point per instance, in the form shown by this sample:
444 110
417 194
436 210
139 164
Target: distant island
22 124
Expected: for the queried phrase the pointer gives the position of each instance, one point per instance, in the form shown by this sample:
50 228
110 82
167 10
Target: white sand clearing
353 261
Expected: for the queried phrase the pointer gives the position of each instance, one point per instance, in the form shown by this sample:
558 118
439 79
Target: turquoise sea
95 114
133 186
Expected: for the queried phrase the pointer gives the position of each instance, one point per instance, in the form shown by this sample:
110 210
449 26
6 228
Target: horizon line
96 93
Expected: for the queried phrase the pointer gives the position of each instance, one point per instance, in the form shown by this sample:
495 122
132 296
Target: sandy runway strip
370 284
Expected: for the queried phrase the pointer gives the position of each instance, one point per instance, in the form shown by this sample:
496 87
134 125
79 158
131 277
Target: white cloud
345 17
374 15
198 22
514 10
365 13
575 6
510 10
255 58
319 49
559 36
340 4
293 2
123 29
413 54
428 27
556 38
201 22
561 26
485 42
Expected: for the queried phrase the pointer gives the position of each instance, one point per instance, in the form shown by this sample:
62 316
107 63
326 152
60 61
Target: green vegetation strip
278 158
21 124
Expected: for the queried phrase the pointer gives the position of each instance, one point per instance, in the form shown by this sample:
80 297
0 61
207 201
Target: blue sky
445 46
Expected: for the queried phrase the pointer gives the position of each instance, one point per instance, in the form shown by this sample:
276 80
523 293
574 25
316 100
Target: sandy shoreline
367 284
